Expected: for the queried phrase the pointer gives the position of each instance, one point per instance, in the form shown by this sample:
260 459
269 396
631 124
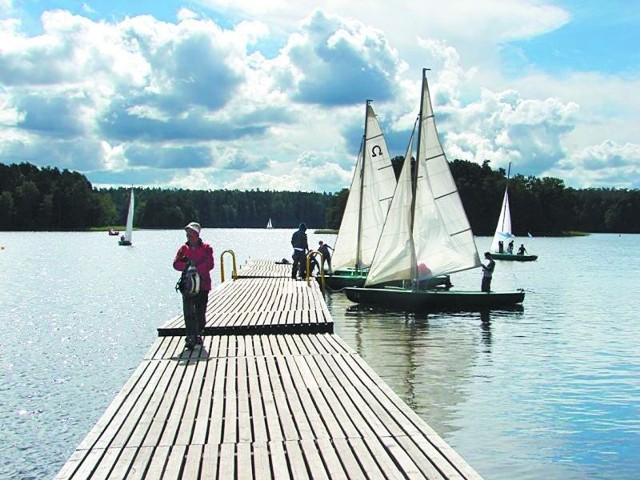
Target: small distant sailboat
126 238
269 225
503 236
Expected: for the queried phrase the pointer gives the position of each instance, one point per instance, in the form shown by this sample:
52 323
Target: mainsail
426 232
369 199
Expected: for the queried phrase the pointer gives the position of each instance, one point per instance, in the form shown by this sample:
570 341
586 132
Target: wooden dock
271 394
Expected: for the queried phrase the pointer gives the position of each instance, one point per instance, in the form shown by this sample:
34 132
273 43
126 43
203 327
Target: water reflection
430 359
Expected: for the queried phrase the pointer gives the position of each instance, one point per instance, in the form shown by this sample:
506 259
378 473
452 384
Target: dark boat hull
343 279
511 257
425 300
340 280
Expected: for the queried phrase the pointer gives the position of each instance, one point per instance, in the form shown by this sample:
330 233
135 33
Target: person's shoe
189 343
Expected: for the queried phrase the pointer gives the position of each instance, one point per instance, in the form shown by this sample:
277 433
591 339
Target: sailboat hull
514 257
350 278
426 300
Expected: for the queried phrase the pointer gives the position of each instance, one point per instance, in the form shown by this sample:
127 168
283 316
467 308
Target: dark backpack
189 282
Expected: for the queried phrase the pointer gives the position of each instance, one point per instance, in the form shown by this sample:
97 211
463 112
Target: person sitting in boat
510 248
426 280
522 250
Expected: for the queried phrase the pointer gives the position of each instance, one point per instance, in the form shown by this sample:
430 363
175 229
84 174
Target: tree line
33 198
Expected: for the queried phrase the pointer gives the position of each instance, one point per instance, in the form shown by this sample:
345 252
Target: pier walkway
272 394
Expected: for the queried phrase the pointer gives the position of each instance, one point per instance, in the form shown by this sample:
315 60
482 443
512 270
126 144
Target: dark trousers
194 309
486 284
299 264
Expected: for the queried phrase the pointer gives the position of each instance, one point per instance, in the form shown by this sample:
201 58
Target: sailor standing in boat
198 253
487 272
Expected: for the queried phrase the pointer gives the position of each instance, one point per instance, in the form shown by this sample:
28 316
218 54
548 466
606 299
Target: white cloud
603 165
277 100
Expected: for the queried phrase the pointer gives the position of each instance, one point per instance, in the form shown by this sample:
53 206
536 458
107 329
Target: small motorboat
114 232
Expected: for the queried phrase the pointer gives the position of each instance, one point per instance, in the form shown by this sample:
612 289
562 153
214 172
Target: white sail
394 256
426 225
129 230
269 225
503 228
453 250
369 199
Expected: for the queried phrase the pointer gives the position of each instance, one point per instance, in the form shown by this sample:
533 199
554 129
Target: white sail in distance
503 228
129 229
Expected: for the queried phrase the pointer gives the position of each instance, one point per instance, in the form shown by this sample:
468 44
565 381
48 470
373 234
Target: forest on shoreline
49 199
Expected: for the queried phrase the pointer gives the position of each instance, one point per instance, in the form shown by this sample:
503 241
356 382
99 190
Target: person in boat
500 246
426 280
323 248
522 250
510 248
487 272
198 253
300 249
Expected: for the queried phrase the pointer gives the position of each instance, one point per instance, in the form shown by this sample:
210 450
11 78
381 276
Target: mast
364 156
414 182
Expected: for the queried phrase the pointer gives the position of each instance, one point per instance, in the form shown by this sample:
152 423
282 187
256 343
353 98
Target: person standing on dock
487 272
300 249
198 253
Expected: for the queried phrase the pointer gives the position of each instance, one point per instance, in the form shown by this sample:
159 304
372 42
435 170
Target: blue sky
239 94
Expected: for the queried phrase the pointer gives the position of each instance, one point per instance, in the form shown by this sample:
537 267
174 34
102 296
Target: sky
270 94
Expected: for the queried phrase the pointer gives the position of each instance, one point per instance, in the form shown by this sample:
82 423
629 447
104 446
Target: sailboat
426 234
369 198
269 225
126 238
503 236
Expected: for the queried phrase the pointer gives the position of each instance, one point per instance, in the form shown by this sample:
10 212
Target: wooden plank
192 462
175 462
216 423
274 427
230 429
204 407
244 460
227 460
140 463
258 416
296 461
210 461
158 461
313 459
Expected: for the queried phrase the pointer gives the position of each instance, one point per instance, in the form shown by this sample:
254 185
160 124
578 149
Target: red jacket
202 256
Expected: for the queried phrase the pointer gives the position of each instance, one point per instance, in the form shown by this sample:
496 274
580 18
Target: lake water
552 391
